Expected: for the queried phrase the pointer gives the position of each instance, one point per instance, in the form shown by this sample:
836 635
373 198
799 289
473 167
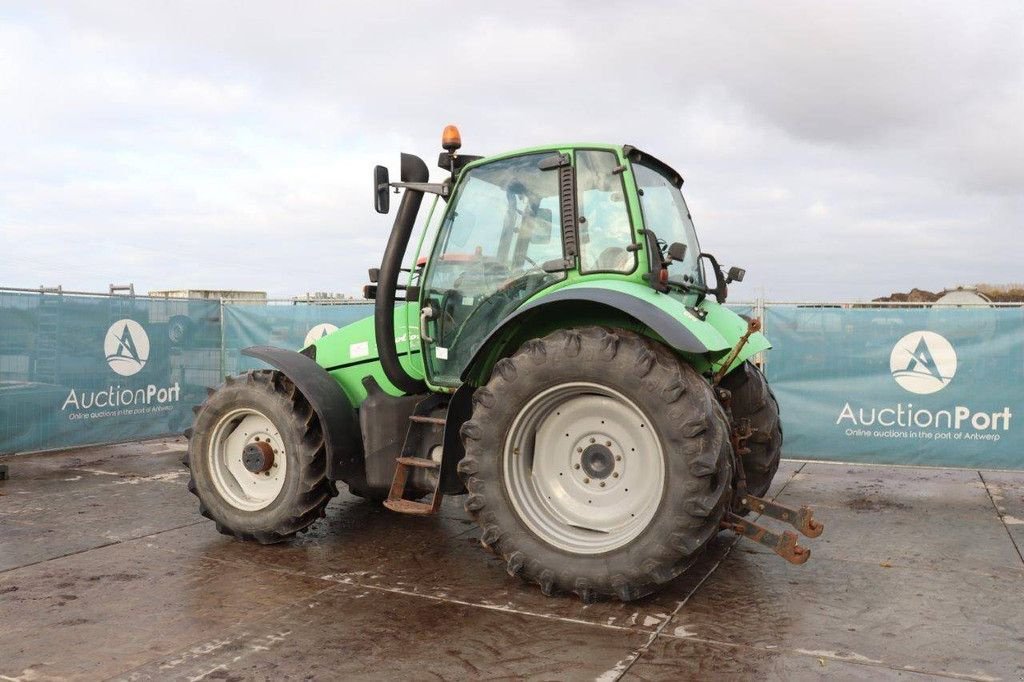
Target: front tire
596 463
752 399
257 458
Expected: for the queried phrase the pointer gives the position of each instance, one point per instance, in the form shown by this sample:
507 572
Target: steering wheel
613 258
511 283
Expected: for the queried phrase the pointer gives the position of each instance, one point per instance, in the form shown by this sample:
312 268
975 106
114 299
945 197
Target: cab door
501 227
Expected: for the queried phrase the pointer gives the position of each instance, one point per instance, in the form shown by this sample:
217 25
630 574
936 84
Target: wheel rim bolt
586 480
592 440
615 474
602 484
618 458
607 443
576 466
579 449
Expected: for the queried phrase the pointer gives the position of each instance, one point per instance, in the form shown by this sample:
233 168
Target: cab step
418 419
397 502
412 507
419 462
419 422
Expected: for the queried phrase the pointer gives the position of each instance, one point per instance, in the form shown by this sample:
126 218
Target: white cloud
835 150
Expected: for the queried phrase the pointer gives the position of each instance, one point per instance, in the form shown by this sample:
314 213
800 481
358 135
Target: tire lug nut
579 449
586 480
615 474
592 440
576 466
618 458
608 443
602 484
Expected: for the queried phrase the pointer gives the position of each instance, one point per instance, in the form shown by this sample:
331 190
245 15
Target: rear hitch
784 544
802 519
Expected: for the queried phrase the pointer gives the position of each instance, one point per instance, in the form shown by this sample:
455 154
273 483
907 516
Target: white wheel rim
584 468
241 488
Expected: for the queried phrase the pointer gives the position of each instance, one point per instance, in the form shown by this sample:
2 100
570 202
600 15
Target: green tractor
552 350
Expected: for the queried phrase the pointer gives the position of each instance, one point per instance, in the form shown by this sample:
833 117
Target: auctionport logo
127 347
318 332
923 362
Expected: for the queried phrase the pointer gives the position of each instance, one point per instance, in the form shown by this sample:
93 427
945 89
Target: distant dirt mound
997 293
914 296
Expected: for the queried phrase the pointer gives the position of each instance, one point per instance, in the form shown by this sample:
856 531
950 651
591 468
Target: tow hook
784 544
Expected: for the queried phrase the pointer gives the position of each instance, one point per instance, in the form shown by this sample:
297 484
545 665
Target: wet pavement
108 571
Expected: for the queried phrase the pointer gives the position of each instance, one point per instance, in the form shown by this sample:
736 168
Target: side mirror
735 274
677 251
721 290
541 233
381 194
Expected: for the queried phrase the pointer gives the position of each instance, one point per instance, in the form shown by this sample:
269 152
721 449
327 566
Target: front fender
732 327
332 407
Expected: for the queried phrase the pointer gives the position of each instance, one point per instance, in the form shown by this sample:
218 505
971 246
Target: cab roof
628 151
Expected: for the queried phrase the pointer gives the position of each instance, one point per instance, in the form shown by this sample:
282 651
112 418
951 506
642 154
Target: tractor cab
519 225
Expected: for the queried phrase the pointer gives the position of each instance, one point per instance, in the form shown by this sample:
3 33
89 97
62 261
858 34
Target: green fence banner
77 370
935 386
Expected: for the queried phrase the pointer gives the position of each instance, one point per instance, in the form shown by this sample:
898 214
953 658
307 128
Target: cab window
502 226
665 213
605 231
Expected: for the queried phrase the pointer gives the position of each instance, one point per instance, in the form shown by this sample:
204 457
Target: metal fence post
223 351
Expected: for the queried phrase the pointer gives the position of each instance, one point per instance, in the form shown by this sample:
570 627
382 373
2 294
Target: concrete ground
108 571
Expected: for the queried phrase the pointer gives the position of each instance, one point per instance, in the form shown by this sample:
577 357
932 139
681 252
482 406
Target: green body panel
350 353
732 327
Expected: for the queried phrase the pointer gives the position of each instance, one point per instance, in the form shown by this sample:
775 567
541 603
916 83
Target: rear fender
333 408
611 303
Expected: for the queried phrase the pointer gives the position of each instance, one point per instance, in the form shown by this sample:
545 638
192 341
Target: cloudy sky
835 150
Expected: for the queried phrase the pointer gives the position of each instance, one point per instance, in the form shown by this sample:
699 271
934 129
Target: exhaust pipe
413 170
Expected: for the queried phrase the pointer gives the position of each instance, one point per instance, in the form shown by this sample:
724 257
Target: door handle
426 313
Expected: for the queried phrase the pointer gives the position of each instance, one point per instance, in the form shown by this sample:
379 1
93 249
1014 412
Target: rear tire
753 399
268 506
618 547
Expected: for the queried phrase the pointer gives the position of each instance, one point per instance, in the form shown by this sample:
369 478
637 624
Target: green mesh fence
79 369
937 386
283 326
